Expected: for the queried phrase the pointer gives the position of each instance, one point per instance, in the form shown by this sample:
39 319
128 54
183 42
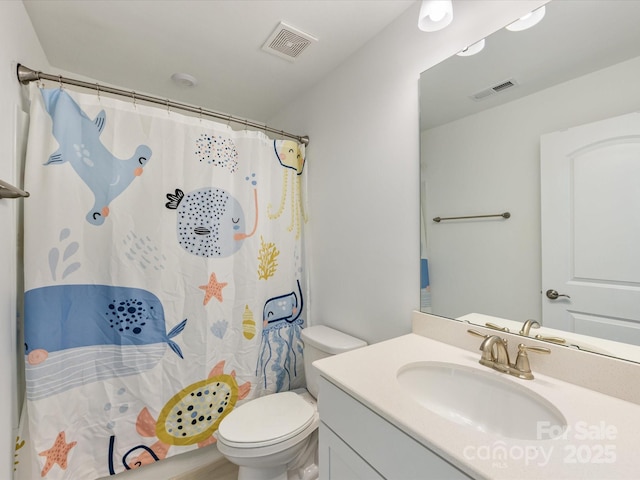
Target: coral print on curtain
164 281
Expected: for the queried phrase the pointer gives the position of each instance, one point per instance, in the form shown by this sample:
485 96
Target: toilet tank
321 341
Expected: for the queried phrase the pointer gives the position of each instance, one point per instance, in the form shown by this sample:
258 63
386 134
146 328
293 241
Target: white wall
18 43
490 162
363 177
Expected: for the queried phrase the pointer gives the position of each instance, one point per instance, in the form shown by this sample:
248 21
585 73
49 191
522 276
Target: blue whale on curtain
281 343
80 145
78 334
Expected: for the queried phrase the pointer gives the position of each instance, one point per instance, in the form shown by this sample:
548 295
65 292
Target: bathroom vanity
357 443
416 408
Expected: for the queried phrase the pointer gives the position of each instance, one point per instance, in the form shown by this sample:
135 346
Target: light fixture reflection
527 21
435 15
472 49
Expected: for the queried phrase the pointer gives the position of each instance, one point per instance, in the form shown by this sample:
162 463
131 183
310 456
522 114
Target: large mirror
548 109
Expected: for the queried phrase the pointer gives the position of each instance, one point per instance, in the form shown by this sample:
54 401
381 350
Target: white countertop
602 441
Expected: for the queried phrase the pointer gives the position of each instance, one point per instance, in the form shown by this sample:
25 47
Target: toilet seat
266 421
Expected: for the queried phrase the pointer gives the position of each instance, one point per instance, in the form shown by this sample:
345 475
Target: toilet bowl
275 437
271 435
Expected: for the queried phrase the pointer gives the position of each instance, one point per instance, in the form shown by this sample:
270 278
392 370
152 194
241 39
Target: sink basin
481 400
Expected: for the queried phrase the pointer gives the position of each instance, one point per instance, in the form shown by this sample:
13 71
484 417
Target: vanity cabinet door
339 462
359 439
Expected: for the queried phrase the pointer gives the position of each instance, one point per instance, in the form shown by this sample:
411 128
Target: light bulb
435 15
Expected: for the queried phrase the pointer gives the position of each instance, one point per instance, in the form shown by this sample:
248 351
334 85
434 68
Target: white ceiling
139 44
573 39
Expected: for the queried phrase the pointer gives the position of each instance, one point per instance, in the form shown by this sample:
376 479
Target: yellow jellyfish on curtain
291 156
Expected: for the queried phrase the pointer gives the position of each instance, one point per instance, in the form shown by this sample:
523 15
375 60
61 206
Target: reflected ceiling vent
500 87
288 42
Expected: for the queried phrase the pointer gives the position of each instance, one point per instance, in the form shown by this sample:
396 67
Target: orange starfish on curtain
213 289
57 453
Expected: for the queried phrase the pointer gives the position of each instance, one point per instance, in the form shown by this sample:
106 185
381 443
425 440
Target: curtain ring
168 111
98 89
200 114
246 125
229 121
60 81
133 96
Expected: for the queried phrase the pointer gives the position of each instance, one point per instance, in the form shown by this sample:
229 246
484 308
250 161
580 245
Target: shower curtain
425 285
164 280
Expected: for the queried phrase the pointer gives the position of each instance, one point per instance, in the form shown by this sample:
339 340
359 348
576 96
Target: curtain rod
27 75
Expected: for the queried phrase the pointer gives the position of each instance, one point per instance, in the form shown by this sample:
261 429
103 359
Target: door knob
553 294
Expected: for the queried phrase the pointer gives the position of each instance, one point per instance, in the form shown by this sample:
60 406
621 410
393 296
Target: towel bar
9 191
503 215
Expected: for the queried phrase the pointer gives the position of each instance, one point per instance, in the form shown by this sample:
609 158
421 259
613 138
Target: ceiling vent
500 87
287 42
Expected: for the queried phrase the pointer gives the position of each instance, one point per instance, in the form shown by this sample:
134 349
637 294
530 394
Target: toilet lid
267 420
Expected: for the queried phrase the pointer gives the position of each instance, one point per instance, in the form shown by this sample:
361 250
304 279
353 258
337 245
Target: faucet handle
522 368
551 339
476 333
524 348
496 327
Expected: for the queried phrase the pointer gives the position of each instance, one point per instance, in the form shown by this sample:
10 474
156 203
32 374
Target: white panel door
590 205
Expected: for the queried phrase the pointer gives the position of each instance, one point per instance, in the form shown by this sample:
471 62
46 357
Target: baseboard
221 469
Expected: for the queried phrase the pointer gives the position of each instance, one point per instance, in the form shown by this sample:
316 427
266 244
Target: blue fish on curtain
210 221
145 303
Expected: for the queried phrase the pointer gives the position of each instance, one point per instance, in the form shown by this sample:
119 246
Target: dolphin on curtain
80 145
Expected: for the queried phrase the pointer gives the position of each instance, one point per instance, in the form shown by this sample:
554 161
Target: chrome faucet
495 355
527 326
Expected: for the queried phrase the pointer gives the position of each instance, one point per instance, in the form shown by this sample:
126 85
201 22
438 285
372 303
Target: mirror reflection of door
590 186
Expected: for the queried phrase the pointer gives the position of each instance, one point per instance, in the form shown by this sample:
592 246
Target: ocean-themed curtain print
164 280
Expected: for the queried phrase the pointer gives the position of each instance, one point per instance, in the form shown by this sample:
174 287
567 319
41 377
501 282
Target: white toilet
275 437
